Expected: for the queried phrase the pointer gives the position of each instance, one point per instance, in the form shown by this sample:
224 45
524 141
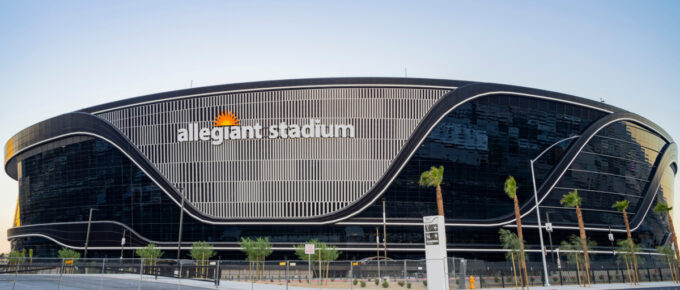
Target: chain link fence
368 274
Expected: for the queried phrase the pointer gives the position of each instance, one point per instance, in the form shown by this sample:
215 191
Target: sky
61 56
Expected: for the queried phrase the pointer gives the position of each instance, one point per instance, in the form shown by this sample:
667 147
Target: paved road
94 282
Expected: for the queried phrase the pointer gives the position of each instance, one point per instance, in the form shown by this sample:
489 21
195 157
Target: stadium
338 160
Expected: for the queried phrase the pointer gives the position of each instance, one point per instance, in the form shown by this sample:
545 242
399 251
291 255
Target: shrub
425 282
401 283
601 277
496 279
385 284
363 284
271 280
532 279
408 285
376 281
554 279
355 282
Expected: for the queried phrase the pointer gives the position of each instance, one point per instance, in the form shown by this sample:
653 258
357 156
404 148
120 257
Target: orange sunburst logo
226 118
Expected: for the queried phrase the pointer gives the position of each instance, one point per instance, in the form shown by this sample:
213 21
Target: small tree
69 257
626 255
17 258
256 251
511 241
669 255
149 254
65 253
328 254
572 248
202 252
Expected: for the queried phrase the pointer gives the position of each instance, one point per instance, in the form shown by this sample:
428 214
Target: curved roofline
278 84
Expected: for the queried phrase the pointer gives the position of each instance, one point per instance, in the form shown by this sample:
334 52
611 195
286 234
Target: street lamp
181 219
87 237
538 212
611 240
122 244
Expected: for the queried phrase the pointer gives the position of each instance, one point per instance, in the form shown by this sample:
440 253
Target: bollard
405 275
141 268
16 274
217 273
101 275
351 275
61 273
179 274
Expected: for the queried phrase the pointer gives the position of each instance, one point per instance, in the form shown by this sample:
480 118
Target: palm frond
432 177
662 207
621 205
571 199
510 187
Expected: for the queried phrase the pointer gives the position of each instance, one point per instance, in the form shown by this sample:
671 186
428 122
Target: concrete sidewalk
643 285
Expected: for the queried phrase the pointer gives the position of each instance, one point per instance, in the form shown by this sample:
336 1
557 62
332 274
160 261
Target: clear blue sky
59 56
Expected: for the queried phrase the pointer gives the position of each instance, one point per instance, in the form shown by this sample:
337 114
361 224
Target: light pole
122 244
384 229
87 236
181 219
538 212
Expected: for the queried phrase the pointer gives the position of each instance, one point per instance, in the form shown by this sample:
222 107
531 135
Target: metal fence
372 274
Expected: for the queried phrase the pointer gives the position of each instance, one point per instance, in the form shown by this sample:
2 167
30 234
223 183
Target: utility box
435 253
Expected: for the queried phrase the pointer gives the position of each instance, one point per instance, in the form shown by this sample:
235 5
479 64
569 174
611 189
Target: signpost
435 253
309 250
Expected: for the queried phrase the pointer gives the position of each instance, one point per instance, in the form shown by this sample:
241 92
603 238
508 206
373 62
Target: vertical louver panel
278 178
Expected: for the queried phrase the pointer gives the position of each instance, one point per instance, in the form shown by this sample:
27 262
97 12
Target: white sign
309 249
548 227
435 252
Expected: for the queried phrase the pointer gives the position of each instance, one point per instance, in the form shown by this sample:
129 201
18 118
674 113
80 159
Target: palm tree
510 188
621 206
573 200
662 208
433 178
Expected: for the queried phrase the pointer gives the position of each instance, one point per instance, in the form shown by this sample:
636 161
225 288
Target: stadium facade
295 160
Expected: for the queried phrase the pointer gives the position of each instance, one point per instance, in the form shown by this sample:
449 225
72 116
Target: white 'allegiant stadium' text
217 135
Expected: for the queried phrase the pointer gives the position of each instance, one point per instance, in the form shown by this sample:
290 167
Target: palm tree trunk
440 201
632 247
584 242
521 240
514 272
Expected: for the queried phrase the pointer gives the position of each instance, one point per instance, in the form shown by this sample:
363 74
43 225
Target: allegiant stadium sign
226 126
